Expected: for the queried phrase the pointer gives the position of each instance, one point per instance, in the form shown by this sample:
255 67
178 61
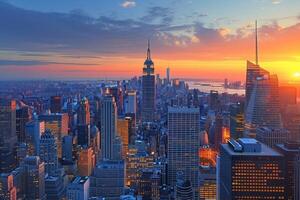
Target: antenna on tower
148 51
256 44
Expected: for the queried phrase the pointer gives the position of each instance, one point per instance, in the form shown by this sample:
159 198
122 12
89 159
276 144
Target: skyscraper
183 144
249 169
271 136
86 161
108 126
130 102
290 151
58 125
35 178
55 104
297 177
79 188
168 75
8 136
84 112
123 131
148 89
263 107
48 152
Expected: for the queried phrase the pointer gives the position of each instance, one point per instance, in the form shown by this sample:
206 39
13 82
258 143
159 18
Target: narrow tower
148 89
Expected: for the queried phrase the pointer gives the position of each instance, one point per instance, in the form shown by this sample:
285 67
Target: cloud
276 1
128 4
37 62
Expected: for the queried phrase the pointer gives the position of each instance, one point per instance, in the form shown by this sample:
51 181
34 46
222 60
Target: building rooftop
80 179
182 110
250 147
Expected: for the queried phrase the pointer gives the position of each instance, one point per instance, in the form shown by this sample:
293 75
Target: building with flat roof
79 188
249 169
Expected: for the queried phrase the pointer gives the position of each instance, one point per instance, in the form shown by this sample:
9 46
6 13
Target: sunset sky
205 39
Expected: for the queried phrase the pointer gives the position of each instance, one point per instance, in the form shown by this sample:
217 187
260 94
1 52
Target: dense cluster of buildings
149 138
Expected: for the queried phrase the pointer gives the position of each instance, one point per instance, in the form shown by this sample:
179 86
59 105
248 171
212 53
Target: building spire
148 51
256 44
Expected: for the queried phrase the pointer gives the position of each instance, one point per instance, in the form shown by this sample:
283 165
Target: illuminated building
207 156
149 183
108 126
290 151
136 160
48 152
123 130
34 170
33 131
55 104
237 120
79 188
7 189
58 125
249 169
183 144
148 89
86 161
271 137
108 179
225 134
263 107
8 137
207 183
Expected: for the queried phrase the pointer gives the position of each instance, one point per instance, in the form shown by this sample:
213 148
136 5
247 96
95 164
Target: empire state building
148 89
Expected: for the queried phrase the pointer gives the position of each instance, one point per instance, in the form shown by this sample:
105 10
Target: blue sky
37 33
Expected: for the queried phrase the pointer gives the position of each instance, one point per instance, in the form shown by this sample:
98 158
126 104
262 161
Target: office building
83 113
34 170
23 116
7 189
86 161
168 75
263 107
55 104
237 120
58 125
67 148
33 132
249 169
48 152
123 130
130 102
108 180
297 177
271 137
183 144
148 89
83 135
8 136
290 152
79 189
108 126
254 71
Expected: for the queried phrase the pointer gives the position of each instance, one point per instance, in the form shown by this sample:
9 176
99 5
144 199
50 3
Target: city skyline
96 40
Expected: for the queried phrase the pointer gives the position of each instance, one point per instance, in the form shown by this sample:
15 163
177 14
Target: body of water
207 86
